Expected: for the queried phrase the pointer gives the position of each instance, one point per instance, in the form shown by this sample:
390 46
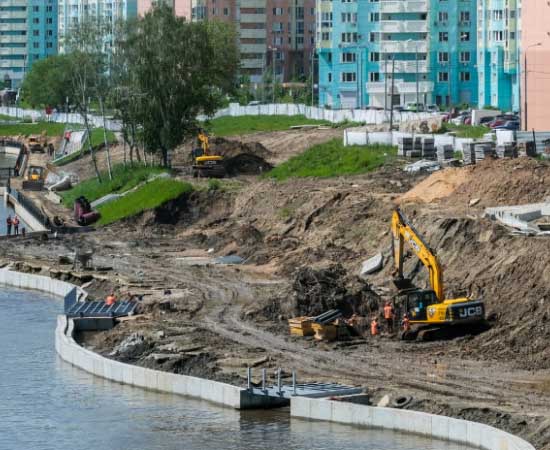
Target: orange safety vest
374 328
406 324
110 300
388 312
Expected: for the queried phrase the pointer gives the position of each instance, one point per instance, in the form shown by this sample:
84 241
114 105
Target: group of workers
13 222
389 318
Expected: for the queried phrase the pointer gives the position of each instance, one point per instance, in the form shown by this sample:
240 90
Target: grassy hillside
230 126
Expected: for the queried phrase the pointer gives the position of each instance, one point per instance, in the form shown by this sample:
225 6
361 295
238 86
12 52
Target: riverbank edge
439 427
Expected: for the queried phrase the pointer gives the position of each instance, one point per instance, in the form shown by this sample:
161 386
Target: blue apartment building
400 52
41 29
499 38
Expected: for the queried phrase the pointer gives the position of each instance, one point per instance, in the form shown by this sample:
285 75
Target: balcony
403 6
252 63
404 66
400 87
403 26
403 46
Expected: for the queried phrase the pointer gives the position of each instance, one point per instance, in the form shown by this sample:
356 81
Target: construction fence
366 116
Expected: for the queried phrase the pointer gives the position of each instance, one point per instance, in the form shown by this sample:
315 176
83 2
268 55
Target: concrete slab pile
445 152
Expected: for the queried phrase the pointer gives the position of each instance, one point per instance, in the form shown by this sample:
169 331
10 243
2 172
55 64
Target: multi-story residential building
499 29
182 8
275 36
534 63
71 12
28 31
384 52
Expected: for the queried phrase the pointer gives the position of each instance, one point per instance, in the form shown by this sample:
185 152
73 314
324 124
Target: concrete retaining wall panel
460 431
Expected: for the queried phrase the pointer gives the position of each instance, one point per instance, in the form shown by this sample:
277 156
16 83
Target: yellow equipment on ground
205 164
34 181
431 315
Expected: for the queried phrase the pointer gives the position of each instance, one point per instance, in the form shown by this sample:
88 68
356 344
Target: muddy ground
303 242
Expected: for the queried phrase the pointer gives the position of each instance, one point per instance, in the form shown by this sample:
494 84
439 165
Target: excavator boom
403 231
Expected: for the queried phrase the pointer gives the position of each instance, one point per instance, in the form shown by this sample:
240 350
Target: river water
48 404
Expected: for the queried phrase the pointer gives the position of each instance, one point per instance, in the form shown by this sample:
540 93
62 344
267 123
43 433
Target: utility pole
312 69
416 57
385 85
391 93
358 59
274 49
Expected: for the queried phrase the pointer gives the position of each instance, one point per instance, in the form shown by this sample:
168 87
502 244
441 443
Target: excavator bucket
403 283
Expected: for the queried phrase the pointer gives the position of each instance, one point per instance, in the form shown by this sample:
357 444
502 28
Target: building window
348 17
225 11
498 36
443 36
329 77
497 14
374 76
464 16
374 17
348 77
464 76
329 57
443 16
373 37
374 56
464 57
349 57
349 37
465 36
325 36
443 76
277 11
443 57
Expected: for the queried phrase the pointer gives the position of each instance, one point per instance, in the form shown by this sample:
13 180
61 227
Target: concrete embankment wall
440 427
26 216
69 350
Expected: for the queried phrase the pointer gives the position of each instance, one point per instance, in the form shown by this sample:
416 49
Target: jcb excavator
431 316
205 164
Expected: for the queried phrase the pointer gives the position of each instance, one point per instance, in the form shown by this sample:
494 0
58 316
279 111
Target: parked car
486 120
414 107
502 119
254 103
512 125
432 108
459 120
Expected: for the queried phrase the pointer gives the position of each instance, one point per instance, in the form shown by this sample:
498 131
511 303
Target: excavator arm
403 231
203 139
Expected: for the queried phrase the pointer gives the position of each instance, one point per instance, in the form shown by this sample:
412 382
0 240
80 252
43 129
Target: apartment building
499 40
535 66
275 36
28 32
71 12
182 8
379 53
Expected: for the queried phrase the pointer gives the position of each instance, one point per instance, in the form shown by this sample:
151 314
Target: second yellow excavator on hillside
205 164
431 315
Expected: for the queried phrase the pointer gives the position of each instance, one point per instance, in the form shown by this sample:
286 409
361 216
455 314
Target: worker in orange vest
388 316
374 327
111 299
406 323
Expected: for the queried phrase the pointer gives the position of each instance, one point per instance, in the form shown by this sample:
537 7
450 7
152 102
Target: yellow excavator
205 164
430 314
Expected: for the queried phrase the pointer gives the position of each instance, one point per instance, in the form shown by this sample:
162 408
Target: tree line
157 74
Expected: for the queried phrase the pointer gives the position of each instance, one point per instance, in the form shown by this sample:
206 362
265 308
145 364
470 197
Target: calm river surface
47 404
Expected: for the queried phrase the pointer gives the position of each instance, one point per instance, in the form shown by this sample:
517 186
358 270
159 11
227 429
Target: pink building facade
182 8
535 48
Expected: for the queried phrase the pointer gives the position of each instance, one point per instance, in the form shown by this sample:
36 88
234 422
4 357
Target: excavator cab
415 303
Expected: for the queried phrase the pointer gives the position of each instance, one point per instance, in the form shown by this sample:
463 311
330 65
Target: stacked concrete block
445 152
428 148
484 150
469 152
405 145
527 149
507 150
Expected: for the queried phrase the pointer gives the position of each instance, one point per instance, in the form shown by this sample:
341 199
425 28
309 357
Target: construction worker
111 299
16 225
388 316
374 327
406 323
8 224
